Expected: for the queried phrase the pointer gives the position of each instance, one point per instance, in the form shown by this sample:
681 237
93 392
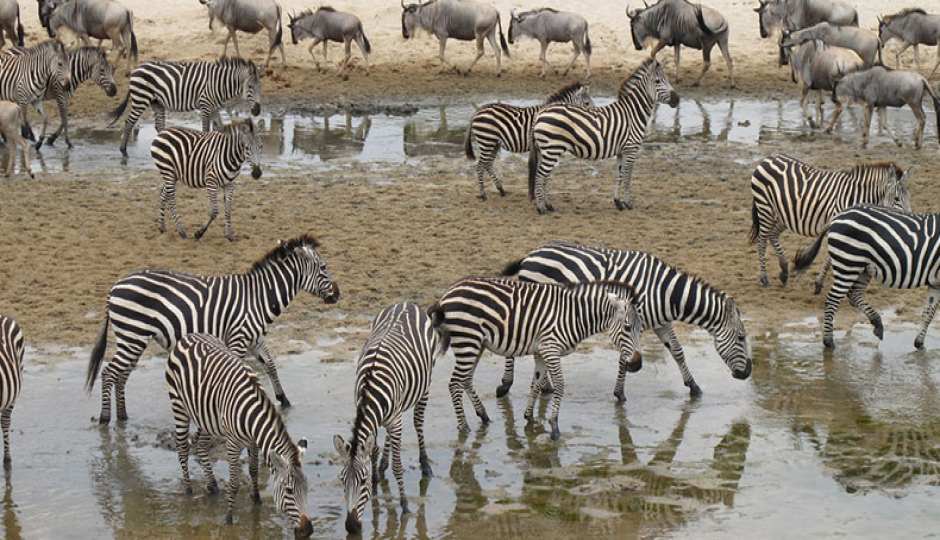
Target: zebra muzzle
742 374
111 90
304 529
353 525
256 172
256 109
674 99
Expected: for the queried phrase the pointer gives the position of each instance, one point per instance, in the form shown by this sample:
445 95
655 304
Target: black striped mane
861 167
355 440
230 62
564 93
903 13
283 250
276 419
233 128
48 44
631 80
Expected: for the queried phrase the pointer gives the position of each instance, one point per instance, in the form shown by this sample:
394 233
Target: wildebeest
865 43
249 16
799 14
677 22
100 19
325 25
464 20
10 23
11 124
547 25
881 87
913 27
818 66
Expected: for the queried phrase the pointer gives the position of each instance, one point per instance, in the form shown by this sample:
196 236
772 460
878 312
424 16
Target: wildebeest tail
280 32
936 103
502 38
533 167
699 14
855 20
19 28
97 354
365 40
587 42
804 258
117 113
130 24
513 268
755 220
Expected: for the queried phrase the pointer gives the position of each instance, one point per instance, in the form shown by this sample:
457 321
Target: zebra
211 387
205 160
665 295
514 318
791 195
25 76
187 86
84 63
393 375
897 248
11 377
617 129
496 126
165 306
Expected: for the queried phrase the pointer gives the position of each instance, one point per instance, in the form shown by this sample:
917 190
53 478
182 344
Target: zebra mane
356 439
283 250
228 61
903 13
279 426
48 44
635 77
861 167
563 93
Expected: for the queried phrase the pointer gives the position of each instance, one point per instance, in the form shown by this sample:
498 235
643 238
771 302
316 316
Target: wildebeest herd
545 304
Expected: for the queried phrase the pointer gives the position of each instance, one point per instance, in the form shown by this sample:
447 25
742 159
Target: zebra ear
342 447
905 176
302 446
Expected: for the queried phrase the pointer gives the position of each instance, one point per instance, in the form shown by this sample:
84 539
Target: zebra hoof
198 235
104 419
829 343
818 288
550 208
213 489
556 434
784 276
256 498
502 390
879 331
463 429
483 197
619 204
383 466
285 403
231 238
694 390
426 468
122 417
188 491
229 520
7 462
764 282
541 211
919 343
485 418
620 397
404 506
124 152
70 145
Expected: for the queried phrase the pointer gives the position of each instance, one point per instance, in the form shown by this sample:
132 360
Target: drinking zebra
11 376
792 195
25 77
393 375
84 63
165 305
212 388
897 248
617 129
205 160
515 318
665 295
187 86
496 126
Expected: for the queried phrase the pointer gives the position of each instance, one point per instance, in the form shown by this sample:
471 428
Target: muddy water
814 445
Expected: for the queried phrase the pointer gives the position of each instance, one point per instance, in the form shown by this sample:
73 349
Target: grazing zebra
665 295
25 77
210 387
897 248
165 305
84 64
515 318
11 375
617 129
393 375
791 195
205 160
496 126
187 86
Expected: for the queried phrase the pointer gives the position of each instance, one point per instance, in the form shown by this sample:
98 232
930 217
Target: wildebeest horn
631 14
403 4
645 5
512 14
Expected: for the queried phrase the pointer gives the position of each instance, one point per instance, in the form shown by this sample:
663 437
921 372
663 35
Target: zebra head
251 142
582 96
53 52
314 277
356 476
290 489
627 327
664 91
897 195
731 341
251 86
100 70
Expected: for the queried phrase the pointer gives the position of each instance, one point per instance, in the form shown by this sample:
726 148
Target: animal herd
545 304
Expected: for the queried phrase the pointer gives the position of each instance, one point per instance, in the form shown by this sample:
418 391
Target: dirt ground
407 232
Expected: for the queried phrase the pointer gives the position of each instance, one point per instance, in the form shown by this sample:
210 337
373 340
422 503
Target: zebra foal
791 195
165 306
211 387
11 377
393 375
205 160
897 248
25 76
665 294
617 130
513 318
496 126
187 86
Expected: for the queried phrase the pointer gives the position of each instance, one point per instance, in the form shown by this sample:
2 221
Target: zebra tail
752 236
533 167
587 42
804 258
513 268
502 38
19 28
97 354
365 39
436 312
468 142
117 113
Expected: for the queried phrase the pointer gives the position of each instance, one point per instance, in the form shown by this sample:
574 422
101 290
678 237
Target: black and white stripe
498 126
205 160
187 86
165 306
665 295
514 318
617 130
393 375
11 377
211 387
25 77
897 248
791 195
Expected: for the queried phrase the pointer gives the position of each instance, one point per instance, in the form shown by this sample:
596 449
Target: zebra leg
261 352
781 256
374 459
234 477
762 257
857 299
836 294
45 124
821 278
386 448
667 335
420 407
182 438
553 365
538 374
114 376
203 444
624 174
930 308
227 194
159 116
212 187
253 474
463 371
168 198
394 438
505 383
5 426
